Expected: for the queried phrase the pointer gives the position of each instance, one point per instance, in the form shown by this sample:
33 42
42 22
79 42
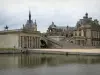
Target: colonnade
29 42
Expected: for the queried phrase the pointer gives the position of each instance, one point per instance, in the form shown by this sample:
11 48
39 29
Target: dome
52 25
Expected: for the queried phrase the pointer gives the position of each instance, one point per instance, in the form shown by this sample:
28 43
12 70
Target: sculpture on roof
6 27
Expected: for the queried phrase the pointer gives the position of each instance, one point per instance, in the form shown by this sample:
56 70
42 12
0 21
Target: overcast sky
14 13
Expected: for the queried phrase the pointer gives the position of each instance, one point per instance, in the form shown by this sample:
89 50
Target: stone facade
54 30
28 37
87 32
29 41
8 41
17 39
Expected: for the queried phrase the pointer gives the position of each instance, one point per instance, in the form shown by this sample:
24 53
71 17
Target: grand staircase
64 44
68 45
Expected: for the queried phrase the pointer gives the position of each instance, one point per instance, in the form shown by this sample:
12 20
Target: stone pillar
28 42
31 41
34 42
19 42
77 33
37 42
88 35
26 39
22 41
82 33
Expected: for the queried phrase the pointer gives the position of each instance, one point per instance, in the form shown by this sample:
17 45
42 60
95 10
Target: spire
29 16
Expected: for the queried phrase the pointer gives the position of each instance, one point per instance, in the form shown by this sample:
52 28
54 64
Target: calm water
38 64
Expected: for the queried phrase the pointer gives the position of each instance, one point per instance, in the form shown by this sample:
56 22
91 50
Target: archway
66 35
43 44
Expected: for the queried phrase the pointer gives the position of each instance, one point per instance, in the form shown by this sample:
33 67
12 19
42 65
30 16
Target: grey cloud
63 12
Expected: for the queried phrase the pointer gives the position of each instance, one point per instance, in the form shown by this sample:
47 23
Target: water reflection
37 60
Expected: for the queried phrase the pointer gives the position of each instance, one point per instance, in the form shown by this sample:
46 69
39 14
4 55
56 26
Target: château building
27 37
87 32
54 30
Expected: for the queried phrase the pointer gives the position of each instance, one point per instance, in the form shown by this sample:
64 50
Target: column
19 42
36 42
22 41
39 42
82 33
29 41
33 42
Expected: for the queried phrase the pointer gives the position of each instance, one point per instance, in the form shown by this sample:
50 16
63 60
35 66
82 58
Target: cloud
14 13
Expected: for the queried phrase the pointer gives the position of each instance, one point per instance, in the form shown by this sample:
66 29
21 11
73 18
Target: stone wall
9 41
